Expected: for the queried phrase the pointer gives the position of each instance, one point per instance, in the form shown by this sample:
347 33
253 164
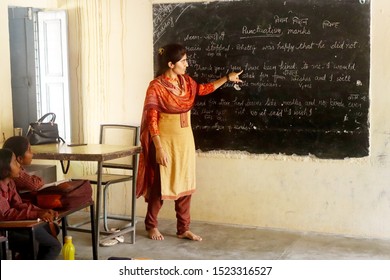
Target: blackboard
306 73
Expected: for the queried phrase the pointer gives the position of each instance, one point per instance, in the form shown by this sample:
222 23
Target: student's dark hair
169 53
5 163
17 144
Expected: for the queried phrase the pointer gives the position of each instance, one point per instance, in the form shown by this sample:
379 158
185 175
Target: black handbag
41 132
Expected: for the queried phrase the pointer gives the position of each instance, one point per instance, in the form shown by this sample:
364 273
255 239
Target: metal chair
118 134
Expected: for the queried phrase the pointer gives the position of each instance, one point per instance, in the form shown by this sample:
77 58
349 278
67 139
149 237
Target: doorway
23 66
39 67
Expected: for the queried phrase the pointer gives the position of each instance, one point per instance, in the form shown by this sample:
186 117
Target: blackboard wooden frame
306 73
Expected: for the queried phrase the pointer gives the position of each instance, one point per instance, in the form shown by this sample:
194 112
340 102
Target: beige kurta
178 177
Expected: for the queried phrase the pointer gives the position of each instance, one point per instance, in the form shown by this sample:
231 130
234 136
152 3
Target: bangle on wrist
227 77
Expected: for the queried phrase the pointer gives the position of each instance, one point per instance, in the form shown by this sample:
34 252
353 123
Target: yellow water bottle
68 250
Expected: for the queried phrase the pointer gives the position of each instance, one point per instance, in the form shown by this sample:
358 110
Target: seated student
22 150
26 182
12 208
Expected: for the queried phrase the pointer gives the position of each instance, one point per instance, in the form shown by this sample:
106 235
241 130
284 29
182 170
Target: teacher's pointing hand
234 77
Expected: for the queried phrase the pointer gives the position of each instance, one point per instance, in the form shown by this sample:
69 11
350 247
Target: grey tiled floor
225 242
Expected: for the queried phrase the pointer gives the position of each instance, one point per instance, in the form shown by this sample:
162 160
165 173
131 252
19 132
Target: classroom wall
111 57
348 197
110 53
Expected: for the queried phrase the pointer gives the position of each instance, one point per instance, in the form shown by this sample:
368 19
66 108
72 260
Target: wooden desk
92 152
31 225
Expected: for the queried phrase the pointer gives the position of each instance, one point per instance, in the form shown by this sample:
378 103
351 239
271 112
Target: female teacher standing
167 161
